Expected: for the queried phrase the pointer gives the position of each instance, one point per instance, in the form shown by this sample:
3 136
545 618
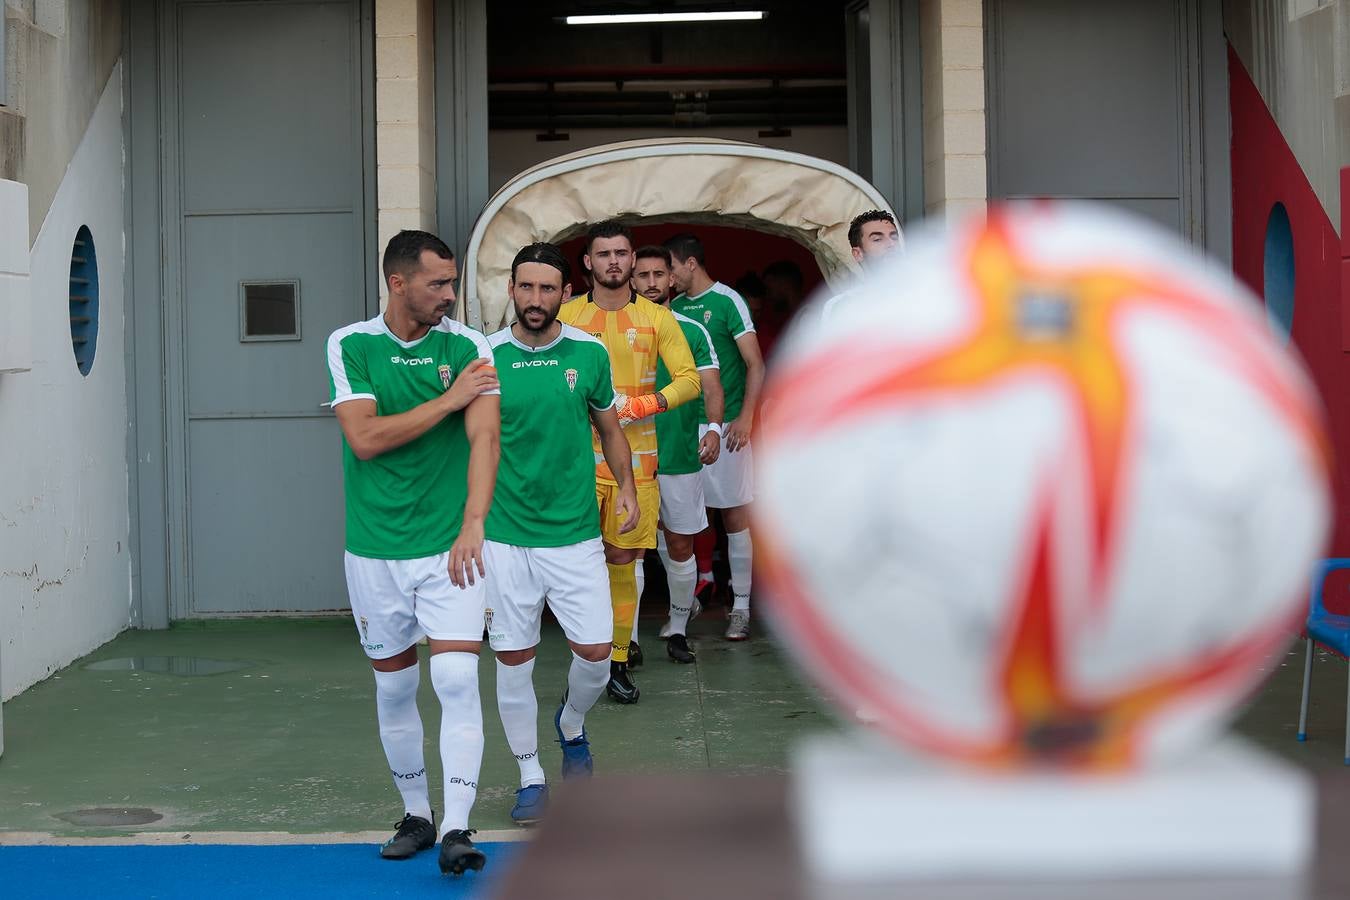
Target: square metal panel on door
270 155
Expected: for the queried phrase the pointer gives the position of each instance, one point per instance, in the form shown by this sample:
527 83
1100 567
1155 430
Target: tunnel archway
691 181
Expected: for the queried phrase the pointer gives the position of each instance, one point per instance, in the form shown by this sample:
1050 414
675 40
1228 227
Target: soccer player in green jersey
544 528
417 400
728 483
681 455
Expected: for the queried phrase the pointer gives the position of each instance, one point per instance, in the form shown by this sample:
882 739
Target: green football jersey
545 494
408 502
677 429
722 311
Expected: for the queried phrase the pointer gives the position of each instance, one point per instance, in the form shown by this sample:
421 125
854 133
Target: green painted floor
289 743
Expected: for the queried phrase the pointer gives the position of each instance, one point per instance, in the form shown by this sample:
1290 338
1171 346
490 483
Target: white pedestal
871 815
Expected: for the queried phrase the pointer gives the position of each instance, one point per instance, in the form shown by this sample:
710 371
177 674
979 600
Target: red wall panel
1266 172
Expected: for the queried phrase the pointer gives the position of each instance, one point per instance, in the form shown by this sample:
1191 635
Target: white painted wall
1298 55
65 568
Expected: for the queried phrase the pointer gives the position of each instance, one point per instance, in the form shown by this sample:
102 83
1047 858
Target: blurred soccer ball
1044 491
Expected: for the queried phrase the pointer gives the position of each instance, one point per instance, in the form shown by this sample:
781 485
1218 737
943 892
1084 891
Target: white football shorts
683 509
730 481
397 601
572 578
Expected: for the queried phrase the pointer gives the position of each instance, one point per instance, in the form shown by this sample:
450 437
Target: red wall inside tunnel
1266 172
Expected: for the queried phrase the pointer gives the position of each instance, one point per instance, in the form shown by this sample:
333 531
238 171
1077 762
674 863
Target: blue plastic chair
1331 631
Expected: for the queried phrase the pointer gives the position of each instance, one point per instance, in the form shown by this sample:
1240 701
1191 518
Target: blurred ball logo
1058 475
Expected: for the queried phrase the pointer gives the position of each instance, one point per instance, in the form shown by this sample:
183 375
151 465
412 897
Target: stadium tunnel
751 204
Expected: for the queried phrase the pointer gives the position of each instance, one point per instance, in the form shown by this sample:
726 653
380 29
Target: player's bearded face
651 279
538 293
611 262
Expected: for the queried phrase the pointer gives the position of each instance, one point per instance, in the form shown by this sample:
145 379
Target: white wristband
715 426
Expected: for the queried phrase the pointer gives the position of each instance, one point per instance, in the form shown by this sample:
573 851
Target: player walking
681 454
636 332
544 528
728 482
415 396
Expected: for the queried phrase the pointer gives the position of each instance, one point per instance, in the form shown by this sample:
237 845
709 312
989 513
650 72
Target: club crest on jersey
571 376
707 316
444 372
487 619
631 334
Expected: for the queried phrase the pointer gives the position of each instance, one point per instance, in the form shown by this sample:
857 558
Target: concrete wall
951 37
1298 56
65 565
405 118
58 55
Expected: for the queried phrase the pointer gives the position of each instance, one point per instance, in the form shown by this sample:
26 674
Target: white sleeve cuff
345 397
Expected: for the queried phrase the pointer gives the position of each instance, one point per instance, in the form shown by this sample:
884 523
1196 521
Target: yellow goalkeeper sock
623 597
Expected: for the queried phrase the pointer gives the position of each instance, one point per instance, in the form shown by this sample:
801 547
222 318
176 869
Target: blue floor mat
332 871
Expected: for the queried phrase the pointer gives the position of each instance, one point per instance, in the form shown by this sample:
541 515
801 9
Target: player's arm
738 432
483 427
715 404
619 458
674 350
370 434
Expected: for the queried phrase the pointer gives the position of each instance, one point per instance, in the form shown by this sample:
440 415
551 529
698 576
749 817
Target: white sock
519 709
455 677
585 683
739 556
401 734
681 578
663 551
640 574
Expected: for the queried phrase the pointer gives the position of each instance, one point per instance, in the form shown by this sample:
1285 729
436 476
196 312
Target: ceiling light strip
744 15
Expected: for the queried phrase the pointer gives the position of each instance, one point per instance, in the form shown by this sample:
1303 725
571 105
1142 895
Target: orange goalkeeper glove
633 408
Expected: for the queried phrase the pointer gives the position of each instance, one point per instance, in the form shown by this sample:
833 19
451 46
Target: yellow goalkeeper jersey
636 336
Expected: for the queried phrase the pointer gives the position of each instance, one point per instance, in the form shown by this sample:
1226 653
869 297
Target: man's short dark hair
581 266
787 270
546 253
750 285
684 245
652 251
610 228
403 255
872 215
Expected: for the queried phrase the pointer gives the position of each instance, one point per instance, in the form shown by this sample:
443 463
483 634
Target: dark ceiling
786 70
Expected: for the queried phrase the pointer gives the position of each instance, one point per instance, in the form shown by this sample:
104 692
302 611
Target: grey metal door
272 246
1123 102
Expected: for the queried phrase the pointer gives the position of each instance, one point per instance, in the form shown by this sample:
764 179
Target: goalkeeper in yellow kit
636 332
